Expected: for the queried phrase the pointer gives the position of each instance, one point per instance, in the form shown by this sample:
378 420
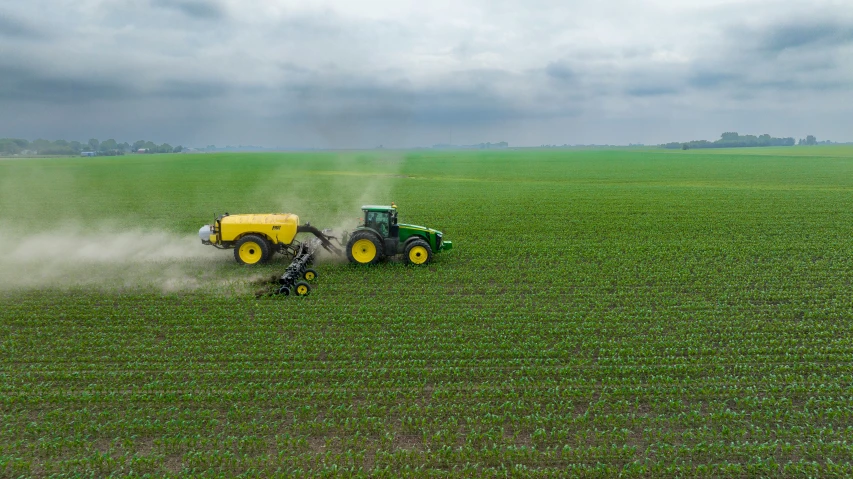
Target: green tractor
380 236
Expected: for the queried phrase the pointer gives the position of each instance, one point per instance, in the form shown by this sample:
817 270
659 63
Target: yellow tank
277 228
257 237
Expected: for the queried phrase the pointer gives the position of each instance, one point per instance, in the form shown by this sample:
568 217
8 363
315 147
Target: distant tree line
18 146
811 140
481 146
488 145
731 139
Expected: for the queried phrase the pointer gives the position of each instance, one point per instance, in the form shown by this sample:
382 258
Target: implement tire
302 288
364 248
418 252
251 249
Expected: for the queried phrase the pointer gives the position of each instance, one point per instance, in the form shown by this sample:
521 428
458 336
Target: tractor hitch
323 236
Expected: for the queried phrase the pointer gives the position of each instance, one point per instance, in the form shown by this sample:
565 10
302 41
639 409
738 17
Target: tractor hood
441 244
418 228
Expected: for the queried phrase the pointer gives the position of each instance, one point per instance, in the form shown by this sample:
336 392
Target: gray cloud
192 90
16 28
35 85
782 56
21 84
366 99
711 79
652 90
793 85
200 9
807 33
560 71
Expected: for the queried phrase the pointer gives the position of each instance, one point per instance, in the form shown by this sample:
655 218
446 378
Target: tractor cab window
379 221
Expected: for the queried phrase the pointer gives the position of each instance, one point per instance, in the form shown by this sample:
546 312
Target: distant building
87 153
142 150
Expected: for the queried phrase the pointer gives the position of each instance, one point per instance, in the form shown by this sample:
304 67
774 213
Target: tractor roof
378 208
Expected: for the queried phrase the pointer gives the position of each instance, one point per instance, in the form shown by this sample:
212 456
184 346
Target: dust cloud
356 180
107 258
327 191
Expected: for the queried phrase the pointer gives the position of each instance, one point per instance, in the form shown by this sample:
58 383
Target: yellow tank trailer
257 237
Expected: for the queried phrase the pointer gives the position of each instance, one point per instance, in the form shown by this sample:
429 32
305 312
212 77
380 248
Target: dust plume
107 258
327 189
355 179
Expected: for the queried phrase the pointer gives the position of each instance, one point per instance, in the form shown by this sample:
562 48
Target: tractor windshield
379 221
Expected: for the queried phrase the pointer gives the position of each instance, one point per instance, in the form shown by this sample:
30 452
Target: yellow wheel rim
250 252
363 251
418 255
302 289
309 276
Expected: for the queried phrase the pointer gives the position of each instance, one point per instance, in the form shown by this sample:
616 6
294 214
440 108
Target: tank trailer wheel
418 252
251 249
310 275
364 248
302 288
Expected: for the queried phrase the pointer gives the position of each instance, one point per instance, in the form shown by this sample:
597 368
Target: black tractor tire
418 252
301 288
362 250
309 275
251 249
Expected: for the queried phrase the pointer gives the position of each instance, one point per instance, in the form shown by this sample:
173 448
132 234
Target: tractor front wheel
364 248
251 249
418 252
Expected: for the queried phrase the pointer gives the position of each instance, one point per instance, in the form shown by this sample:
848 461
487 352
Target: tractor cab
382 219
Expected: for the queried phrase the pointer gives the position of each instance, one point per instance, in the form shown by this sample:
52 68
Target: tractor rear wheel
364 248
251 249
418 252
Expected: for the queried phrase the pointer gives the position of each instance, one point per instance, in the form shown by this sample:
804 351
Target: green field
603 312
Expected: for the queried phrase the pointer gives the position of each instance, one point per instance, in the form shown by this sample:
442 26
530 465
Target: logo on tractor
276 228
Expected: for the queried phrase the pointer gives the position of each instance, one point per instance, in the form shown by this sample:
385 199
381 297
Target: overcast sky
359 73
